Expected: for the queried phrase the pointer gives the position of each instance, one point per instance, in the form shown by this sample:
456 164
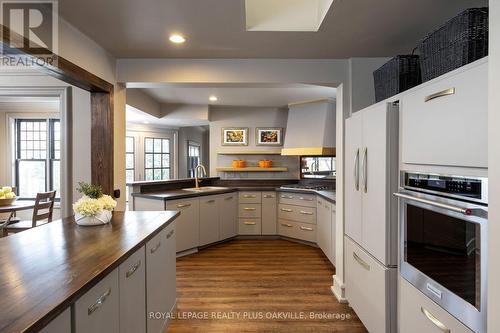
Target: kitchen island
50 271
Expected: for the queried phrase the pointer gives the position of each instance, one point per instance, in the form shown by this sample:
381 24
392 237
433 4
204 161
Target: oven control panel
457 186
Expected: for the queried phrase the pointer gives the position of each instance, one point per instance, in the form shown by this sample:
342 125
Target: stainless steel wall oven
443 234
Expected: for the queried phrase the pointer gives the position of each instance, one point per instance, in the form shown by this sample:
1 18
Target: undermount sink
205 189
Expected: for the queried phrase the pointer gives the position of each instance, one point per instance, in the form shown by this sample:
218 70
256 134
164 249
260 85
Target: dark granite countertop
183 194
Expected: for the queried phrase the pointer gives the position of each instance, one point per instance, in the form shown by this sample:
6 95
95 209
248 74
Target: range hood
310 129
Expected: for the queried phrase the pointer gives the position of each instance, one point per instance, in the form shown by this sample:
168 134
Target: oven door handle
464 211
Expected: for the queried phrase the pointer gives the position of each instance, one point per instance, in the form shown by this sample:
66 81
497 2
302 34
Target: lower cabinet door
132 279
249 226
228 215
187 225
209 219
333 245
418 313
269 213
98 310
370 289
61 324
324 221
158 265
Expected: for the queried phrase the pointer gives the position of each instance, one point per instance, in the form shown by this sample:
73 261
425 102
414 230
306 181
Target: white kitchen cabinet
269 213
187 225
333 245
324 227
98 310
61 324
418 313
209 219
445 121
249 226
132 282
371 178
228 215
160 278
370 289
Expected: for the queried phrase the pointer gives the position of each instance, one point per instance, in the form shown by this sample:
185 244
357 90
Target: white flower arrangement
94 208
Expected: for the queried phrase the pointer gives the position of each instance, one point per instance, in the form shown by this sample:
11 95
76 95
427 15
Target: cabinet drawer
98 310
250 197
414 307
250 210
132 281
297 213
302 231
455 124
370 289
298 199
249 226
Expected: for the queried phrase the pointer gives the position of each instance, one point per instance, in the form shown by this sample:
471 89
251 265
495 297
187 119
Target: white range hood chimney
310 129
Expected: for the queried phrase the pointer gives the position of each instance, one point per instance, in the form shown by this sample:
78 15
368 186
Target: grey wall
198 134
248 117
494 170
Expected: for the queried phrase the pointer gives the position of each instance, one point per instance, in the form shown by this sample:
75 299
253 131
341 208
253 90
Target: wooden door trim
101 99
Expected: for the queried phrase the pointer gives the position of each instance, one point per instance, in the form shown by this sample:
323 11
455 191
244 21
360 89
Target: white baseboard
338 290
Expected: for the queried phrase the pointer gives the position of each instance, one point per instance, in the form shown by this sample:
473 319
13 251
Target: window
317 167
38 156
156 159
193 157
130 158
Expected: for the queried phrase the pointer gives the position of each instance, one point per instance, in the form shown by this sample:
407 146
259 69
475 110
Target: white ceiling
217 29
278 95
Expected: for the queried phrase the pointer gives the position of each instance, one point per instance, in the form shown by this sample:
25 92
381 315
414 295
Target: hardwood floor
254 279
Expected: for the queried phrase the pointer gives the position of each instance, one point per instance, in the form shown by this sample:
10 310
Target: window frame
49 152
190 172
133 153
161 153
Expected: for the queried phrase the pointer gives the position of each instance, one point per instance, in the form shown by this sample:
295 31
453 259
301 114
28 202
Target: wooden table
17 206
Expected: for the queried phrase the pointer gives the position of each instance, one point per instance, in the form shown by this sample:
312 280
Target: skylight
285 15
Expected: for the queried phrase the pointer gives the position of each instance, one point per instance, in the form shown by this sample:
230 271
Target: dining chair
4 221
42 213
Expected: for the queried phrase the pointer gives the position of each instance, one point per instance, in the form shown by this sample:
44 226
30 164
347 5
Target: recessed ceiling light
145 122
177 39
213 98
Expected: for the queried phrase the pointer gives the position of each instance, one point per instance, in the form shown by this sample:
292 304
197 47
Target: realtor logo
29 34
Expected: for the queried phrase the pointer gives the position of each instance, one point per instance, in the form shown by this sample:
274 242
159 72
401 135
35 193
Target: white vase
103 217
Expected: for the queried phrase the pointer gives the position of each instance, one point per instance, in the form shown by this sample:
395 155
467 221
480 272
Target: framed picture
235 136
269 136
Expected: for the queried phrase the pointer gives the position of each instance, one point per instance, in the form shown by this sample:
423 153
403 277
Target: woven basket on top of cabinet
398 74
461 40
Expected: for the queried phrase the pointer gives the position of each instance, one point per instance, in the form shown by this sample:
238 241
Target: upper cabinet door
353 152
445 122
379 123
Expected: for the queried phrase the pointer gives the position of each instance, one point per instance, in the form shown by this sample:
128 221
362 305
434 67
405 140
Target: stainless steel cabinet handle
134 268
229 198
183 205
249 196
306 228
286 210
365 170
286 225
464 211
250 223
356 170
249 208
170 234
446 92
435 321
210 201
154 249
287 196
267 196
361 261
306 199
99 302
303 212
